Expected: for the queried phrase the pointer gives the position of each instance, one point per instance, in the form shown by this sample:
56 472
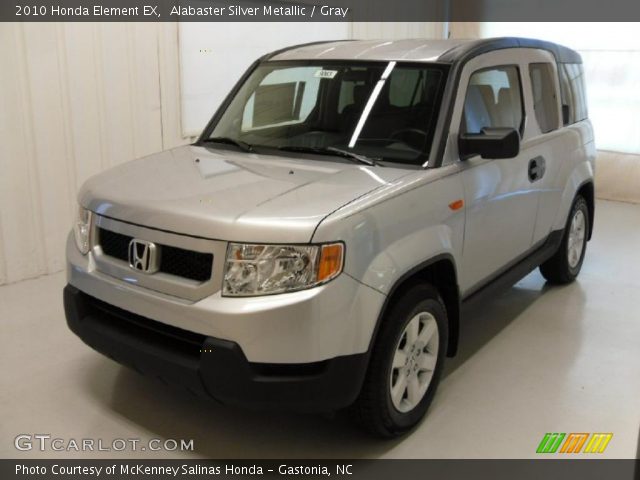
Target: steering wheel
414 137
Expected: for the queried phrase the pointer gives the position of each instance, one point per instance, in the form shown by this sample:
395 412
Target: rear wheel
406 363
566 263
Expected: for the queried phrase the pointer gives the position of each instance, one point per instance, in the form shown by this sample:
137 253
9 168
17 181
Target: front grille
114 244
173 260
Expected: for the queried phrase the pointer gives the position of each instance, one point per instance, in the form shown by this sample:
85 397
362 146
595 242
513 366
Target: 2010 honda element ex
314 248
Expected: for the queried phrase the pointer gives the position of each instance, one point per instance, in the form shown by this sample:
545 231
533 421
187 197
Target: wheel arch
579 182
440 271
587 191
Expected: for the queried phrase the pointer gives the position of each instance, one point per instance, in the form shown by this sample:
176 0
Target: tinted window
407 87
545 100
382 110
493 100
348 89
572 92
282 97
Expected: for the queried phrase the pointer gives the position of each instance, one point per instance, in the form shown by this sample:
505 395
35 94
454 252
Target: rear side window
572 92
494 99
545 100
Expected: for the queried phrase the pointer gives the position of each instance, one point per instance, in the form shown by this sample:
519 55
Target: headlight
82 229
267 269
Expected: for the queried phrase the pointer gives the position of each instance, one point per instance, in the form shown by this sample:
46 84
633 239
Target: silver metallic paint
311 325
390 219
410 50
229 195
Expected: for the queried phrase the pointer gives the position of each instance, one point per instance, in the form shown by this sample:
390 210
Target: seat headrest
360 94
504 96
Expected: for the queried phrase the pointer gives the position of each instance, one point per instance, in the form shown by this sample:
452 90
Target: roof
418 50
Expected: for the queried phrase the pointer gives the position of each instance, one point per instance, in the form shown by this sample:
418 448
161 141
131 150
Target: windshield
383 111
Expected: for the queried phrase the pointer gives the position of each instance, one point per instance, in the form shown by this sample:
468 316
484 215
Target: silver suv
314 248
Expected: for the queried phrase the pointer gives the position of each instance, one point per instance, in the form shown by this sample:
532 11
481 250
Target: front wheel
566 263
406 363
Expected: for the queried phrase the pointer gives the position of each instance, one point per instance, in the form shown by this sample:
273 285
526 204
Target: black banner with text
319 10
582 469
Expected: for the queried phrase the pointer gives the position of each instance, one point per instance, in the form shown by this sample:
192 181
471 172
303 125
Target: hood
228 195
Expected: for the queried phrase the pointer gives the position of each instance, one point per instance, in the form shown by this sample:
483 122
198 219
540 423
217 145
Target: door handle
536 168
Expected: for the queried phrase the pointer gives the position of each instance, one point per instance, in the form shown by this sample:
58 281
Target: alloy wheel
575 244
414 362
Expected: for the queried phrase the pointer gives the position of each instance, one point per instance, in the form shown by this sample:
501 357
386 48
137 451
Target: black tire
558 269
374 408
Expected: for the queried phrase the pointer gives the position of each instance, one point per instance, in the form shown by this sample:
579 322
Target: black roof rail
466 51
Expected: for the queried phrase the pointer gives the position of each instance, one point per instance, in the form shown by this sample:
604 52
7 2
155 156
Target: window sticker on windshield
325 73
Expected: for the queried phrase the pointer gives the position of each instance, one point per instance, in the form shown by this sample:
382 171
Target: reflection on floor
537 359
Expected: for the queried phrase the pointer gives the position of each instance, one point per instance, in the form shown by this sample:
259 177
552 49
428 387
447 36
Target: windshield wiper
230 141
331 151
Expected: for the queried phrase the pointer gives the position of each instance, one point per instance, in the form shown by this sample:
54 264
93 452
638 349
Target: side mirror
490 143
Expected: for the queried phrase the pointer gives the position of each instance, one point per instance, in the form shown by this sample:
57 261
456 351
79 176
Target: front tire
566 263
406 363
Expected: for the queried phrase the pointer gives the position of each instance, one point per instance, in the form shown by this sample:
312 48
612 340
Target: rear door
551 146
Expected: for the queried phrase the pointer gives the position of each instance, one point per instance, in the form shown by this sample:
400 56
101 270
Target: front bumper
332 320
210 366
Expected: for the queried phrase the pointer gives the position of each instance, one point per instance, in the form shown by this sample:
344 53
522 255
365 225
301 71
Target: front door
501 204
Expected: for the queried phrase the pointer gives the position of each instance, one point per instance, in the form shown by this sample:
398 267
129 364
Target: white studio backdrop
611 56
100 94
213 56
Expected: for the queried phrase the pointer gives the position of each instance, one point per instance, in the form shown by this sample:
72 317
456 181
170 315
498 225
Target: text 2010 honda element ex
314 248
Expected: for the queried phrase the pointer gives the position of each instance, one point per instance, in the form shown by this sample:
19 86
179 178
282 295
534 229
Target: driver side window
493 99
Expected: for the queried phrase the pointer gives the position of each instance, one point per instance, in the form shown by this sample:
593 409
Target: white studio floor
535 360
